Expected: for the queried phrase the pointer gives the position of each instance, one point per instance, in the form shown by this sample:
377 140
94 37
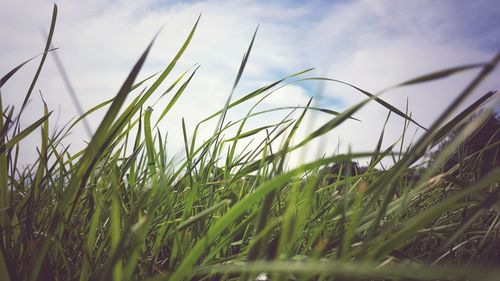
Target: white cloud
290 95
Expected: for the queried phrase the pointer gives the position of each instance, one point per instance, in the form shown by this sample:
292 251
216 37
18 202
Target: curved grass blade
24 133
436 75
313 108
150 149
445 129
193 219
7 76
4 172
44 56
236 81
375 97
254 131
330 125
175 97
255 93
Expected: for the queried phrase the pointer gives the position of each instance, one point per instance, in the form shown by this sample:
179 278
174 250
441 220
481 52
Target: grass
119 209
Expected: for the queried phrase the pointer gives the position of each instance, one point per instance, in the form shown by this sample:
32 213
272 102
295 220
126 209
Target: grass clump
120 209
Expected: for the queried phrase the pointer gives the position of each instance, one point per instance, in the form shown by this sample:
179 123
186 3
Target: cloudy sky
372 44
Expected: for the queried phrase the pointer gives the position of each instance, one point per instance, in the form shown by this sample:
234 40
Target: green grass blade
236 81
255 93
4 272
254 131
24 133
193 219
446 128
7 76
437 75
4 188
150 149
44 56
374 97
175 97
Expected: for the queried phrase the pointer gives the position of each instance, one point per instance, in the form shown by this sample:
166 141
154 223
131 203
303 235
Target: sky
372 44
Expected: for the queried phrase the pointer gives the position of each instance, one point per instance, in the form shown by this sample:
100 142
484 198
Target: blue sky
372 44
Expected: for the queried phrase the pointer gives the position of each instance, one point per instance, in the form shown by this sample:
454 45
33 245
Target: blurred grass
122 210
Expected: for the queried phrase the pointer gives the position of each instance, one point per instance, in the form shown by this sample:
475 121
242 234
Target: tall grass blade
44 56
7 76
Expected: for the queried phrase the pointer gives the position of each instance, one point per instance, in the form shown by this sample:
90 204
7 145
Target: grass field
120 209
